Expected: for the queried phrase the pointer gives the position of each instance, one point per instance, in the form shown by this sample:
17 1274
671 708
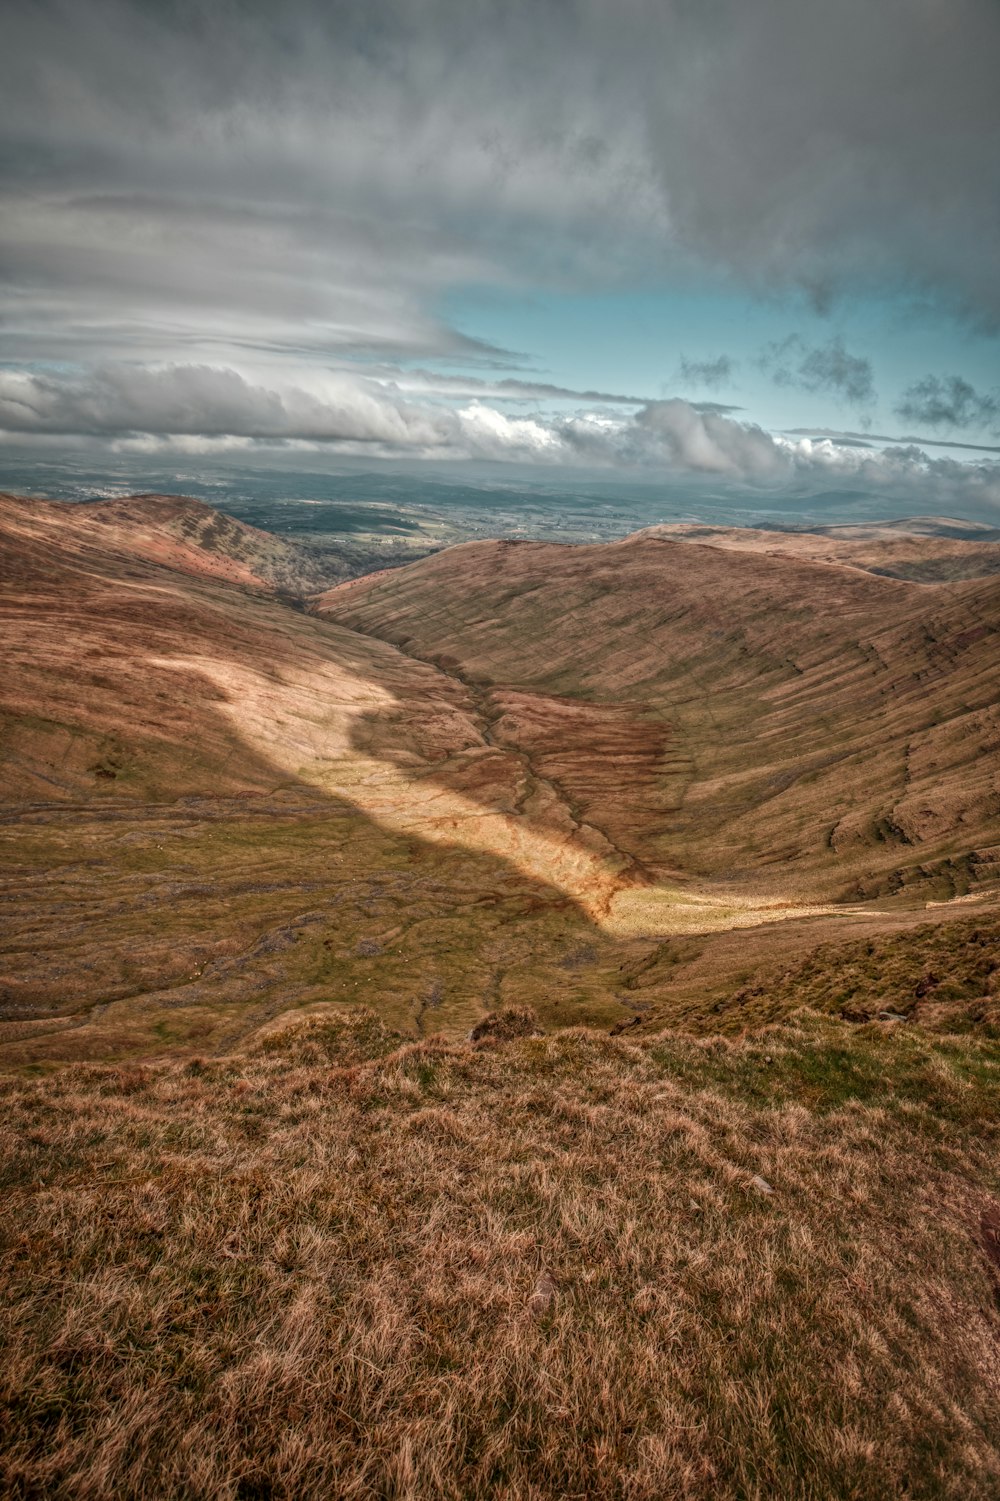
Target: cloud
868 439
824 368
183 180
711 373
948 401
506 389
221 406
672 437
199 409
836 147
687 439
117 400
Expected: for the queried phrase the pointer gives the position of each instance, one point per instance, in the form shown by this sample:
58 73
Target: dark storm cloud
281 159
839 144
948 401
299 182
828 367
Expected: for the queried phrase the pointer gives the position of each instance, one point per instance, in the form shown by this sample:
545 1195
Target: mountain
189 536
763 718
181 534
507 773
927 550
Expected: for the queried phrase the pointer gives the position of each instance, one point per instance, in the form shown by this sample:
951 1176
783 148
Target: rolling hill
806 726
927 550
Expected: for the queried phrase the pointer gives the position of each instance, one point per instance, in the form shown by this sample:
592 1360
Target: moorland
520 1023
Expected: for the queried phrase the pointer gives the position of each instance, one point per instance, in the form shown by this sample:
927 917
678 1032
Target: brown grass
551 1266
809 729
944 974
219 808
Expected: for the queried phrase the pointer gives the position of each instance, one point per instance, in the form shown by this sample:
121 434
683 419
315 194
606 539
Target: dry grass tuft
505 1025
944 975
341 1268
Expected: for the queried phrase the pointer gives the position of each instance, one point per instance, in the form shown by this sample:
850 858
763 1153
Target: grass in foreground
525 1267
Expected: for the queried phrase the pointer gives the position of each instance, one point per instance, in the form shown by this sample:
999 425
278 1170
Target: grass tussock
566 1266
944 975
505 1025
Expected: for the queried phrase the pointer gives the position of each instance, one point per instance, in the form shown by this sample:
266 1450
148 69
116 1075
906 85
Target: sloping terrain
930 552
823 730
550 775
565 1266
739 810
192 537
179 533
201 827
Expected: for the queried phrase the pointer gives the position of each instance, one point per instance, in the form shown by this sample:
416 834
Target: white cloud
491 433
197 409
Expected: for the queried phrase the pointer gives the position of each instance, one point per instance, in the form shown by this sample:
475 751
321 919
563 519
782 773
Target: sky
757 240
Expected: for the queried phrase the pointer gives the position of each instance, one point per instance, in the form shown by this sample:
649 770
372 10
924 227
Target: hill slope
179 533
569 778
342 1265
203 824
802 723
928 551
290 1248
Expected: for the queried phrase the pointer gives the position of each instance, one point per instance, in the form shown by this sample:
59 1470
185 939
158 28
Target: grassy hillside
500 1234
192 537
220 808
943 974
895 551
821 730
202 826
562 1265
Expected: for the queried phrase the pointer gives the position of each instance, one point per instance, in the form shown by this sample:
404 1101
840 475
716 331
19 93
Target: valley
614 781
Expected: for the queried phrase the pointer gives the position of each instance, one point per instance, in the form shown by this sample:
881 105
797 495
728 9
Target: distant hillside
178 533
189 536
928 550
915 526
796 723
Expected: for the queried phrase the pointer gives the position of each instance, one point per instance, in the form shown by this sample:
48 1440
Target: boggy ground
345 1265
